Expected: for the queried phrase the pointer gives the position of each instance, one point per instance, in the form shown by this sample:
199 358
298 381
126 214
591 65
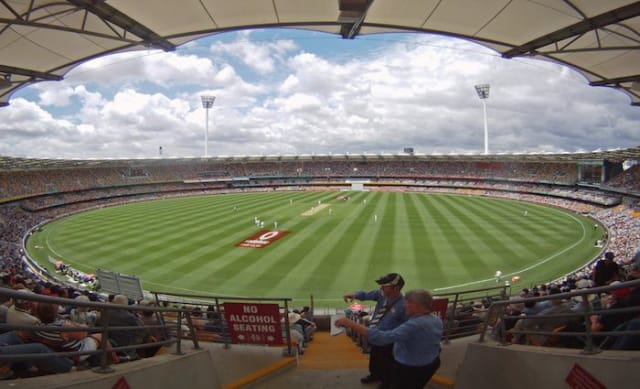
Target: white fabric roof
44 39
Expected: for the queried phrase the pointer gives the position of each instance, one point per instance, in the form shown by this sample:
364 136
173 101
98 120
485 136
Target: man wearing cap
388 314
416 342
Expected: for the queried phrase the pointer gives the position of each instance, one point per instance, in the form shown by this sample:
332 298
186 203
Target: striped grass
436 241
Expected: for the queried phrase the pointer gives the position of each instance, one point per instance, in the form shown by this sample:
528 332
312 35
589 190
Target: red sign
121 384
254 323
579 378
439 308
262 238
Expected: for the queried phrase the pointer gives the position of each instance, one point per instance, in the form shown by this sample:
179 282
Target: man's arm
348 323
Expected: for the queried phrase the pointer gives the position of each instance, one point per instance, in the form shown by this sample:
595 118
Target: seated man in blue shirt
416 342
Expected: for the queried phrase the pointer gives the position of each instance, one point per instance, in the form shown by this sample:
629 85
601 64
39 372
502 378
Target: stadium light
207 103
483 93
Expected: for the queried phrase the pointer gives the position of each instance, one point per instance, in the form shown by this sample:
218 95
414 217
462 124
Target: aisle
328 352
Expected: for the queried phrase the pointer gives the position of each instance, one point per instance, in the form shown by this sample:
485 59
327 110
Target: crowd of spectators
614 310
17 184
58 327
629 180
87 198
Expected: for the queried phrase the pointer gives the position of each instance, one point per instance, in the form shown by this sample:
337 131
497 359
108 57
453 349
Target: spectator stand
576 328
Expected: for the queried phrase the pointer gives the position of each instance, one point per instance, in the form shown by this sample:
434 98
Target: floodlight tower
207 103
483 93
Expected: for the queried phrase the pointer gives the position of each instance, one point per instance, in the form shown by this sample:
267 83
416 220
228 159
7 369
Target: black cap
393 279
609 255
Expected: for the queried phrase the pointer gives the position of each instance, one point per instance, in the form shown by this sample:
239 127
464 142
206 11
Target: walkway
329 362
336 362
328 352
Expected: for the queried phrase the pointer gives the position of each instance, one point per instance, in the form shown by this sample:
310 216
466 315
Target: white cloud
163 69
262 57
285 97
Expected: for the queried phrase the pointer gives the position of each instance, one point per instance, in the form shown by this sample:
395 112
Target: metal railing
216 304
105 352
466 309
576 329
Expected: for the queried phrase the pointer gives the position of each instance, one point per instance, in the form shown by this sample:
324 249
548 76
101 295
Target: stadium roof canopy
43 39
622 155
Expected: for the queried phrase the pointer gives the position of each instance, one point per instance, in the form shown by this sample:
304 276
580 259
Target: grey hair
421 297
121 299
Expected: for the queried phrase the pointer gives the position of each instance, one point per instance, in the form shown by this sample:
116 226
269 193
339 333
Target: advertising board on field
262 238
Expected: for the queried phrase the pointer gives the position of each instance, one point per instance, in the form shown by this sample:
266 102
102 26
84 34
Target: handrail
205 299
466 326
104 349
221 297
497 310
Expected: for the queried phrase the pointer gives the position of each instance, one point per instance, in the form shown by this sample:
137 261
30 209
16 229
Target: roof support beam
352 14
582 27
616 81
29 73
109 14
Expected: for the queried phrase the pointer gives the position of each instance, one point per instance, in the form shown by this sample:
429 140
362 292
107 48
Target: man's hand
343 322
348 298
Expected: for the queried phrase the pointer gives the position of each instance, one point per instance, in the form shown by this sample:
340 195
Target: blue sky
286 92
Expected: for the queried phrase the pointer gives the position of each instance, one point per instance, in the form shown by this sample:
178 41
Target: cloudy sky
284 92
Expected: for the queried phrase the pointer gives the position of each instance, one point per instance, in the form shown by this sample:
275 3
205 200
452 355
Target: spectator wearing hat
308 326
295 330
415 343
388 314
